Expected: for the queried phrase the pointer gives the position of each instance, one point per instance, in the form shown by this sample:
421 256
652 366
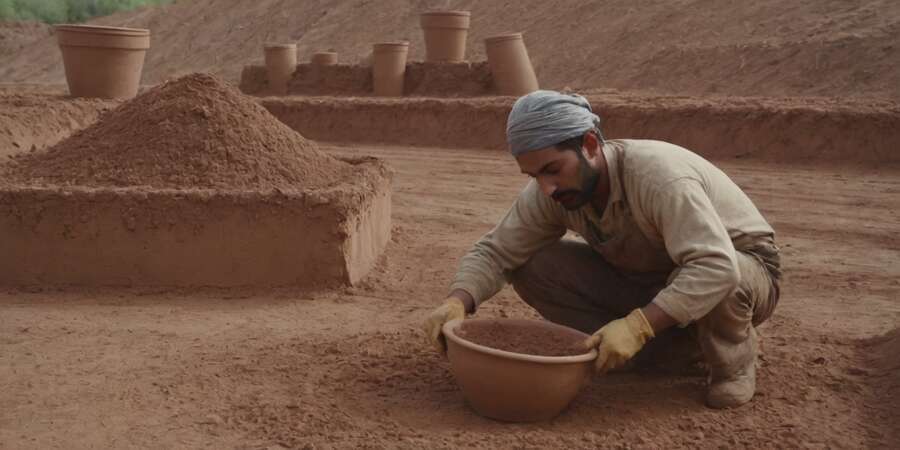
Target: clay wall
422 79
809 131
132 237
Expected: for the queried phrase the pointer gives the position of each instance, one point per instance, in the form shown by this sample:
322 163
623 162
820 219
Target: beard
572 199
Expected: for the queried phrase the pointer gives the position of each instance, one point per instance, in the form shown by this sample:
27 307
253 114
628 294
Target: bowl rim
449 332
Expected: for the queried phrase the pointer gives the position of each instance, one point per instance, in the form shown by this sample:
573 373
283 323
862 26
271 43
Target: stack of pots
445 35
389 68
324 58
102 62
281 61
510 64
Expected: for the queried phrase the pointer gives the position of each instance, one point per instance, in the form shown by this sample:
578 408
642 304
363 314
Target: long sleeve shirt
670 214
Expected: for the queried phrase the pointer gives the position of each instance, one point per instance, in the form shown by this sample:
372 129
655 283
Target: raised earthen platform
809 130
136 237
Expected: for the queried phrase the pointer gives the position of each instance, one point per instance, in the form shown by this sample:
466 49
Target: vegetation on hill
66 11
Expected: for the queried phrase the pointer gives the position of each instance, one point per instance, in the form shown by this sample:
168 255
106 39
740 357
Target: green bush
56 11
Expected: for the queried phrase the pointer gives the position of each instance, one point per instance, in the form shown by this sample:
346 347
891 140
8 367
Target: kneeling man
668 243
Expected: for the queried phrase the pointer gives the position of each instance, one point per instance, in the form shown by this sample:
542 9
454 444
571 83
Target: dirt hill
194 132
767 47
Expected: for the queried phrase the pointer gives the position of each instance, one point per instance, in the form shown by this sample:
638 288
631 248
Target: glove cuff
639 324
456 307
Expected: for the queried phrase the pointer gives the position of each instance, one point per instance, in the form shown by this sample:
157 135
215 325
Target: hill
835 48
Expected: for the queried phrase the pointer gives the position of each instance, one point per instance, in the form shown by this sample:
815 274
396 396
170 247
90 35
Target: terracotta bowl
516 387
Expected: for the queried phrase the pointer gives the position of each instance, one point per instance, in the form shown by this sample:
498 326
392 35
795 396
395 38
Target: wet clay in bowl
529 371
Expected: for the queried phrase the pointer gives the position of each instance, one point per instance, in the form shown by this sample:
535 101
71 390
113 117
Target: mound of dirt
194 132
884 353
842 48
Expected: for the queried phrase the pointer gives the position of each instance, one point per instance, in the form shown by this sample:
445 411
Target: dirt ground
811 86
349 368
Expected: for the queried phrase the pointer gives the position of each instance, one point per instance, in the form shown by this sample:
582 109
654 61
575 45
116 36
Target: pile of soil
517 338
192 133
884 360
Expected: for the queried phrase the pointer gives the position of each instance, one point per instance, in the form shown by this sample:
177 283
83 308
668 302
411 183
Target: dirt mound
195 132
693 47
884 354
36 121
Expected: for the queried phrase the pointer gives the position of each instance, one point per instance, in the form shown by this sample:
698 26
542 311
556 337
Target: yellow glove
619 340
453 308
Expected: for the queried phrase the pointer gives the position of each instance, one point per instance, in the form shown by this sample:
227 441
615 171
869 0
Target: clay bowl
516 387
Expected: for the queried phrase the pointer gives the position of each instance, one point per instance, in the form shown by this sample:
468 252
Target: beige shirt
668 208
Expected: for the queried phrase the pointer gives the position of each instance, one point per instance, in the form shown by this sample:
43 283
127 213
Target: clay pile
529 341
195 132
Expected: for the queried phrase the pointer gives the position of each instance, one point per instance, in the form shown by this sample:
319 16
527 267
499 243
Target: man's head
556 139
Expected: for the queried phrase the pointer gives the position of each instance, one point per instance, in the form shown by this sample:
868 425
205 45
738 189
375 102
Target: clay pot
445 35
104 62
510 65
515 387
389 68
324 58
281 61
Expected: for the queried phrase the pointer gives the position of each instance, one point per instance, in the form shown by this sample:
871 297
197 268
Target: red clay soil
883 365
195 132
350 368
519 339
36 121
776 129
835 48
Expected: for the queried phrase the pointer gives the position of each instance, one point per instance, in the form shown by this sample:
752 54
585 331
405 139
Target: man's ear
590 144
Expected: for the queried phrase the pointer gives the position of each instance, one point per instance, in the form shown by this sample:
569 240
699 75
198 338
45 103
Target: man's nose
547 186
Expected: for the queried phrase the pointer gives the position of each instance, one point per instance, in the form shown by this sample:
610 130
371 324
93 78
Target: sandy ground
242 369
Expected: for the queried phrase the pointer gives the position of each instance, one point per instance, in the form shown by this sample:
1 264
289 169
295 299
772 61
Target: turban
545 118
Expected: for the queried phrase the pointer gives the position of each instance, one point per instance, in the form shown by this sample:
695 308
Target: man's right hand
453 308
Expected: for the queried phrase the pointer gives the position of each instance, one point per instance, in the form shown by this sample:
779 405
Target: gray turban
545 118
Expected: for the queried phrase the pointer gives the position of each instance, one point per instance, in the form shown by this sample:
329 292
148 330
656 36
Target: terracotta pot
324 58
281 61
515 387
104 62
445 35
510 65
389 68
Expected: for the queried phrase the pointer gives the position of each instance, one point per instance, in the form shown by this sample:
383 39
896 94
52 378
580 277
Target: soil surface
194 132
516 338
350 368
37 120
834 48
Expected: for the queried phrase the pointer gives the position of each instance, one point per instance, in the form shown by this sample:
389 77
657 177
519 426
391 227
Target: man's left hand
619 340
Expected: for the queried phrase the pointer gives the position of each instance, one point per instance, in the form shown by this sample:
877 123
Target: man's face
563 175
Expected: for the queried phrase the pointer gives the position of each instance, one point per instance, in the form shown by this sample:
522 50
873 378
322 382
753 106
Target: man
668 240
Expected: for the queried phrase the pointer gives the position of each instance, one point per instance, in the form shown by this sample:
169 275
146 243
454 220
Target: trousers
570 284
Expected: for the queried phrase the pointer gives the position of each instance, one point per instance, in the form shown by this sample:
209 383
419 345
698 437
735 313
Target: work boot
732 387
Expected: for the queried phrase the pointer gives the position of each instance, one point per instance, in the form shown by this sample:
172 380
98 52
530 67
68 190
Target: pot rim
448 13
502 37
449 330
387 47
274 45
101 29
